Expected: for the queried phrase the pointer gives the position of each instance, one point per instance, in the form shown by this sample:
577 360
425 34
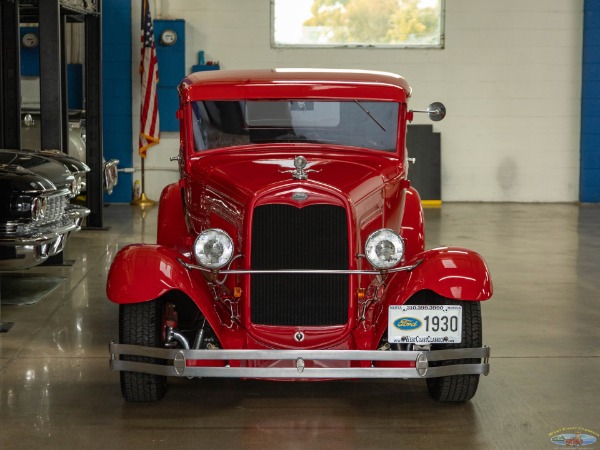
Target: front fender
172 230
144 272
412 224
452 272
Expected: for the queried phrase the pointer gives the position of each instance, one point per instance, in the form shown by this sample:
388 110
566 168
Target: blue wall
116 92
171 70
590 105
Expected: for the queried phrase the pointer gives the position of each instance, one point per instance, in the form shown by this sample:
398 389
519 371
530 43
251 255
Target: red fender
172 230
143 272
412 224
452 272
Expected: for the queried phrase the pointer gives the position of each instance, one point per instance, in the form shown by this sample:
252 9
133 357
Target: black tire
140 324
455 388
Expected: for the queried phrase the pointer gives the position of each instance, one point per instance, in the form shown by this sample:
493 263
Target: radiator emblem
299 336
299 196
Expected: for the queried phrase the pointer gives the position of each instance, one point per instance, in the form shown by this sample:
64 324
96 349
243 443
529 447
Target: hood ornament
300 163
299 173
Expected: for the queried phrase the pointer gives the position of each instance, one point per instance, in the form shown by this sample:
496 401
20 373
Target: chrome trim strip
177 362
297 271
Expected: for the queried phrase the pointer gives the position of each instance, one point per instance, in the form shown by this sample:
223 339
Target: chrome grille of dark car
55 212
286 237
56 209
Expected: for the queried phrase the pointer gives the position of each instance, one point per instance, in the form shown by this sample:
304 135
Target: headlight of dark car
78 184
38 208
29 206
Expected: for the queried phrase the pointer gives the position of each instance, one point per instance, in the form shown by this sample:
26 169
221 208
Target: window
364 124
357 23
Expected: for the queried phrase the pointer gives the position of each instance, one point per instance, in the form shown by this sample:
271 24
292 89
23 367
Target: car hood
49 168
16 179
244 174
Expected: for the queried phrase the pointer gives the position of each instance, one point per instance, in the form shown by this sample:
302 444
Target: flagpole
149 122
143 200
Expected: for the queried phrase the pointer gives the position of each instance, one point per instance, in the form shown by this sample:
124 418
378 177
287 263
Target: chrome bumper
176 365
34 249
77 214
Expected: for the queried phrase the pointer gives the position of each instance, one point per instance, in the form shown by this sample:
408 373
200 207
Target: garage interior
519 181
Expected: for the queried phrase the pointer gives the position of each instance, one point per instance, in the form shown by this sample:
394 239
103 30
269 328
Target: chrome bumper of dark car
34 248
177 362
77 214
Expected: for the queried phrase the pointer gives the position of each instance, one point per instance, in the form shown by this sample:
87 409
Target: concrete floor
56 389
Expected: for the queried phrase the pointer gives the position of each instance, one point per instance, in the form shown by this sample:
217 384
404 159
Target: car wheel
455 388
140 324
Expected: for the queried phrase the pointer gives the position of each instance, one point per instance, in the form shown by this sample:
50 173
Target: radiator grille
285 237
54 217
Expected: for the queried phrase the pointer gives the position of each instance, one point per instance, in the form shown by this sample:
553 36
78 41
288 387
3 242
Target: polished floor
56 389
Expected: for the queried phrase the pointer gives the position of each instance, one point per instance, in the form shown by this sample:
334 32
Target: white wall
510 76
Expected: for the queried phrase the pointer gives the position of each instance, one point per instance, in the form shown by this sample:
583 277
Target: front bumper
176 365
35 248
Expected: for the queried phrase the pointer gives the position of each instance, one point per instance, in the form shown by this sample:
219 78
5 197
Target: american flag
149 123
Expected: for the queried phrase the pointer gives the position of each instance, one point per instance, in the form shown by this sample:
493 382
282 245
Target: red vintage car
292 246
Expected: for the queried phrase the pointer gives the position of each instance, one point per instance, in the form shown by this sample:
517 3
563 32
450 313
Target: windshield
354 123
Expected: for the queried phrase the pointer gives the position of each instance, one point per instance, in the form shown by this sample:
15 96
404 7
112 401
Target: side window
218 124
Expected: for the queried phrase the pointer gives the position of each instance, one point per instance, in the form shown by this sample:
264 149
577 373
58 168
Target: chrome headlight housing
384 249
81 181
38 208
213 248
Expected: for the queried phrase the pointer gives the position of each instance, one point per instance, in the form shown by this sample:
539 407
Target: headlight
82 183
213 248
79 182
73 187
384 249
38 208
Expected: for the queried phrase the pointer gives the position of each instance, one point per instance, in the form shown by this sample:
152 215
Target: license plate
425 324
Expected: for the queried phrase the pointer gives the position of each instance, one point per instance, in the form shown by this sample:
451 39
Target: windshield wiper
369 114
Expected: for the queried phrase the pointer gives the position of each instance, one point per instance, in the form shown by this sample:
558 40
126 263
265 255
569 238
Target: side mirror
436 111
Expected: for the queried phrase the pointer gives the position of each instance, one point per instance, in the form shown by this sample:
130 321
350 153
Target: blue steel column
590 105
116 91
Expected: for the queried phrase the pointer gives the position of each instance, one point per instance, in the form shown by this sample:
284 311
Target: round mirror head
436 111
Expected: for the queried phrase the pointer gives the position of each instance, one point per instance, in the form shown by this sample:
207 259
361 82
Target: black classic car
36 216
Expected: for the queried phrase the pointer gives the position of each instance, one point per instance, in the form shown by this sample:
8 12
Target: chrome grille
55 214
55 209
286 237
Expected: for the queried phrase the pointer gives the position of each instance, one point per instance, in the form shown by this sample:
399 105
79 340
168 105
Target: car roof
294 83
